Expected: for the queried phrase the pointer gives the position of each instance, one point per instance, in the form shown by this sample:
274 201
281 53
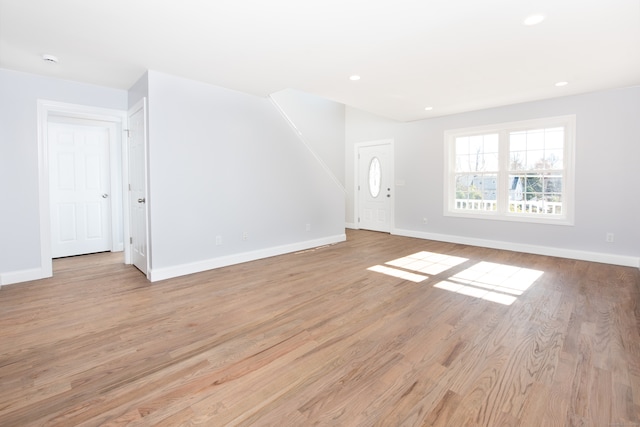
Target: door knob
105 195
142 200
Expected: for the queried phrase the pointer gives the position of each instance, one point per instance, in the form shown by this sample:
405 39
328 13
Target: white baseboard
23 276
628 261
210 264
351 225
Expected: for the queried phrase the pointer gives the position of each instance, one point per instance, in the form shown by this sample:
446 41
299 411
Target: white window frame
503 129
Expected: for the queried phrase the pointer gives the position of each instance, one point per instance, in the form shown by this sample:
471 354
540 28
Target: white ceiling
452 55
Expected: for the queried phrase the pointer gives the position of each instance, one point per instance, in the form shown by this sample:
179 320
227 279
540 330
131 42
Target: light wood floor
317 338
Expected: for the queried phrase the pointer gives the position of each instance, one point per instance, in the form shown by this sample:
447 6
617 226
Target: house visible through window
514 171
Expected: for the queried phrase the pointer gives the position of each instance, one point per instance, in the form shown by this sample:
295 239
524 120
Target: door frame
356 200
118 118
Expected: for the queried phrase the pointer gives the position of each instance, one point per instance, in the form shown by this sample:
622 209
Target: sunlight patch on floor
489 281
394 272
427 262
492 282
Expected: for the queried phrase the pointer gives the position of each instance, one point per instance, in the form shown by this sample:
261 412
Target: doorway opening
77 142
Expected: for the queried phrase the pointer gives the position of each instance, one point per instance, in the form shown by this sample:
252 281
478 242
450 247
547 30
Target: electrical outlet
218 240
245 235
425 220
609 238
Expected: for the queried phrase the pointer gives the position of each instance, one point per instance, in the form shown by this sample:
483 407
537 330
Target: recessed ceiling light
428 108
354 78
49 58
560 84
533 20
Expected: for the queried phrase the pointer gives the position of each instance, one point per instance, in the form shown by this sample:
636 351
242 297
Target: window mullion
503 173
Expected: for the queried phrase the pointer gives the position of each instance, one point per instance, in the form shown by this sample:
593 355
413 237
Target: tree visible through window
477 171
517 171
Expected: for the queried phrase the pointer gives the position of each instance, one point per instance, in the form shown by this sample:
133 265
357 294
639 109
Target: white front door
79 177
375 178
138 187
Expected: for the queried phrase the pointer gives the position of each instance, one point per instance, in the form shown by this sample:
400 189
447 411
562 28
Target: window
374 177
520 171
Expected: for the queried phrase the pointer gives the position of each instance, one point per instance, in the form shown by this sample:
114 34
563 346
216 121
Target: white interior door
138 187
375 178
79 177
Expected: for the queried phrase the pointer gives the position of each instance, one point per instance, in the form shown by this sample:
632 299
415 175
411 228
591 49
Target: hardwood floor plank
441 414
581 384
601 403
482 337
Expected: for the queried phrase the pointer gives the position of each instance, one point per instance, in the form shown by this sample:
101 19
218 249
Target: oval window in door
374 177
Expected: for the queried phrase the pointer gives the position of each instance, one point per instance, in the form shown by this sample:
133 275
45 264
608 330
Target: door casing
48 109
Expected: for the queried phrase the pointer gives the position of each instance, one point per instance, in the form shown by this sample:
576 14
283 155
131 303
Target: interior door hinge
130 240
358 219
127 131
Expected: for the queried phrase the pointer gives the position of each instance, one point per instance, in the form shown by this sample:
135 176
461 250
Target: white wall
139 90
19 206
607 156
321 124
222 163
